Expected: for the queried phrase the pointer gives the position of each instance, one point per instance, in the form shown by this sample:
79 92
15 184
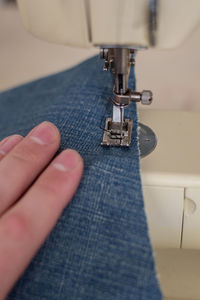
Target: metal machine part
147 140
118 130
114 135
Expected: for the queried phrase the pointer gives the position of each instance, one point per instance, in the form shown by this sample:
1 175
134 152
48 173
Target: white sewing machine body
171 179
86 23
171 174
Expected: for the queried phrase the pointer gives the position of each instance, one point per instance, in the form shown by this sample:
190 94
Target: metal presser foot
118 130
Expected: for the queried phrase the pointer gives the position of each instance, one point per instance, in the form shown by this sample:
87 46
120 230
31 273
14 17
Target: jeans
100 248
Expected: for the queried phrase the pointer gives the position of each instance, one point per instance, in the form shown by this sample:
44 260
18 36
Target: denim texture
100 248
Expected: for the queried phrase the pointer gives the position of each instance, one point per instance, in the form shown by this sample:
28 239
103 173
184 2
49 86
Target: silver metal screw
146 97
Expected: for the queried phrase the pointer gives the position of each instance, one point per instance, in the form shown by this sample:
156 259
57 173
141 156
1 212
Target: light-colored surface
126 22
174 163
179 273
172 75
164 207
177 19
24 57
175 160
118 22
57 21
191 230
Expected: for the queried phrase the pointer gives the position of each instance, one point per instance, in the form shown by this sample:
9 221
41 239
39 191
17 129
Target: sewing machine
121 28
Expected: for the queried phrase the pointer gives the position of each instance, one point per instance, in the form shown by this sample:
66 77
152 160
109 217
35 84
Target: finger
22 165
4 140
25 226
8 144
1 144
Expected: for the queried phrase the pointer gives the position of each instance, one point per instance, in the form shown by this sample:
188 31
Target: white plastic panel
175 160
119 22
191 225
59 21
122 22
177 19
125 22
164 208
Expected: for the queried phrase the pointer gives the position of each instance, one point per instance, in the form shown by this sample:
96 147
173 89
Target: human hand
31 205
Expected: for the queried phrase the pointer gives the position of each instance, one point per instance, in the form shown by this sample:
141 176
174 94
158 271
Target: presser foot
147 140
117 134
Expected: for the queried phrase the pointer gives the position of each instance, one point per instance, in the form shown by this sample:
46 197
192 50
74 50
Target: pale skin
34 190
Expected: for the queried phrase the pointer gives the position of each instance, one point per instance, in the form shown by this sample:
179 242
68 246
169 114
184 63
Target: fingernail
4 140
9 143
45 133
67 160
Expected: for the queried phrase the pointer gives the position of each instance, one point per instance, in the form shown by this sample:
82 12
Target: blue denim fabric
100 248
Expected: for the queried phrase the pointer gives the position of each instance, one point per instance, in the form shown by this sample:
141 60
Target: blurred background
172 75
